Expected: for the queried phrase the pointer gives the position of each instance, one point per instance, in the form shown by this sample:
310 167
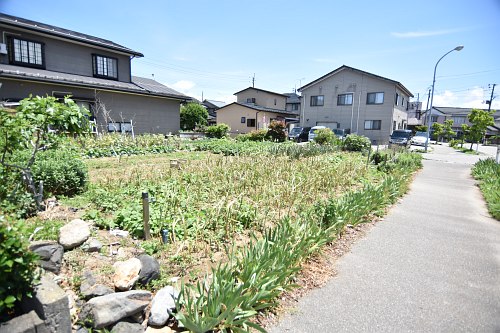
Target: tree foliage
193 115
480 120
437 130
276 131
448 131
37 125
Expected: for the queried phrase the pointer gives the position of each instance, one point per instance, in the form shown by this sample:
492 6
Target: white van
312 132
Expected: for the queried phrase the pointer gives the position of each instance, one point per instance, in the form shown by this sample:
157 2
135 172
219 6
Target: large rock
126 273
89 288
106 310
124 327
150 269
51 254
162 306
27 323
74 234
51 304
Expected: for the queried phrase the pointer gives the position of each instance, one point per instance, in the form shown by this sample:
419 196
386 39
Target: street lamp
429 123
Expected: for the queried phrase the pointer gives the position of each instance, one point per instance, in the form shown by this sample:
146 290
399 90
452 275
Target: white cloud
418 34
183 86
472 98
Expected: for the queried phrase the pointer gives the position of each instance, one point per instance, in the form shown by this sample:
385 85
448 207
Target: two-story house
293 103
254 109
212 107
41 59
349 98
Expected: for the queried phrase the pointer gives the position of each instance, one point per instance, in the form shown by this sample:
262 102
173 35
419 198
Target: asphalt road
432 265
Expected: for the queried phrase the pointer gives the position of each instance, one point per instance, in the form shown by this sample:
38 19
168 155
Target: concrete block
27 323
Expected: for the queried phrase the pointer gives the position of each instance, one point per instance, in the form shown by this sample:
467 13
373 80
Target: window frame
339 97
372 127
243 120
375 100
12 52
95 68
316 99
251 122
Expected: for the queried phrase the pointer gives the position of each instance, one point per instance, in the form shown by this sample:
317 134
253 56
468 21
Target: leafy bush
18 267
488 173
193 115
355 142
62 172
324 136
454 143
276 131
217 131
255 135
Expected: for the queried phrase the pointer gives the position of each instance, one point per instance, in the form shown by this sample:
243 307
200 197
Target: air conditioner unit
3 48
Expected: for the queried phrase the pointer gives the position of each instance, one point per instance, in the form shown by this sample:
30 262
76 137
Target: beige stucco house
349 98
254 109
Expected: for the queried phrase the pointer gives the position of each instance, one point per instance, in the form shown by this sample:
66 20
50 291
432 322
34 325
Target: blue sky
215 47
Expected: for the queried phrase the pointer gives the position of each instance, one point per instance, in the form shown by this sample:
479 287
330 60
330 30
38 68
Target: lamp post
429 123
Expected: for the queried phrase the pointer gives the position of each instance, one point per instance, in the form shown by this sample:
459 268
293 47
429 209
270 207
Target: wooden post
145 215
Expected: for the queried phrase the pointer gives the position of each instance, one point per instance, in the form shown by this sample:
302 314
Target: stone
74 234
92 245
51 254
165 329
125 327
150 269
106 310
51 304
126 273
27 323
89 288
162 306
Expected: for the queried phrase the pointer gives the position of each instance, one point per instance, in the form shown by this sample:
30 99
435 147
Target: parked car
299 134
312 132
420 139
341 133
400 138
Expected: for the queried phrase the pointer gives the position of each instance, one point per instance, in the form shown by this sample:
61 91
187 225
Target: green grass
487 172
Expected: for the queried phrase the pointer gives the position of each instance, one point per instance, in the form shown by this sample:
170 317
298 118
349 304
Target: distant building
255 109
293 102
349 98
212 107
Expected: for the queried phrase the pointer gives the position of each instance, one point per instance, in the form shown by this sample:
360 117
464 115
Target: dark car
341 133
299 134
400 138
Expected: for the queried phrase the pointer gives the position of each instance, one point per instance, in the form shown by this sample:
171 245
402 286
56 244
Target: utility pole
253 81
427 114
491 98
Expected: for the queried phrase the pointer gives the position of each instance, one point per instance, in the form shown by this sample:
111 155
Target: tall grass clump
487 172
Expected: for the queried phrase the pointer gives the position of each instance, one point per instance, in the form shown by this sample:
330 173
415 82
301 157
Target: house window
317 100
375 98
396 100
373 124
124 127
434 119
295 107
243 120
344 99
403 102
457 120
250 100
250 122
105 67
26 53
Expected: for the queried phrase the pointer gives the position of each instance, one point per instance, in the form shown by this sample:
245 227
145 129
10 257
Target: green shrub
324 136
62 172
487 172
276 131
255 135
355 142
18 266
217 131
454 143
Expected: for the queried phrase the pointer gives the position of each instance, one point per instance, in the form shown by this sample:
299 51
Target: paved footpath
432 265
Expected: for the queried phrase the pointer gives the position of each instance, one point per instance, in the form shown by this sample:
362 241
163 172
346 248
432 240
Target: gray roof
344 67
267 91
217 104
65 33
459 111
262 108
138 85
292 98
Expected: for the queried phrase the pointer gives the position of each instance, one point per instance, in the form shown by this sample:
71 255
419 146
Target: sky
214 48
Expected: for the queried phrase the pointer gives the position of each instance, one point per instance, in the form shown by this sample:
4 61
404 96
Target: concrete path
433 264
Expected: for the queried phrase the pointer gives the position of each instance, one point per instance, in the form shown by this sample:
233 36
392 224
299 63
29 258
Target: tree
37 125
448 132
437 130
421 128
193 115
276 131
480 120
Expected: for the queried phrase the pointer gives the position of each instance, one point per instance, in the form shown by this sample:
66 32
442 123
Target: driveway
433 264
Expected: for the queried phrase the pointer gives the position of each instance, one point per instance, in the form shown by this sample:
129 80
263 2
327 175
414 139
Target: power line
468 74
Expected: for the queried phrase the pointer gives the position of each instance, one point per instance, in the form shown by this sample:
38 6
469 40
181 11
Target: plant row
487 172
